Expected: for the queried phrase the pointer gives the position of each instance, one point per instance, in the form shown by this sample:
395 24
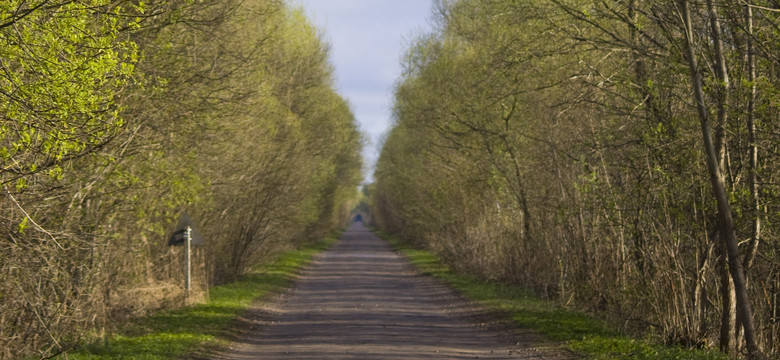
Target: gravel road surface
361 300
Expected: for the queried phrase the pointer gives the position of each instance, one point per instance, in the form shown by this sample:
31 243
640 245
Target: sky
367 40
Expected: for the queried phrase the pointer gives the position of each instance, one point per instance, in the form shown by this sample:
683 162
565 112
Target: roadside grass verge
583 334
173 334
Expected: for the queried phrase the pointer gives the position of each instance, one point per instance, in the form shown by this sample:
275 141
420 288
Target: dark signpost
186 235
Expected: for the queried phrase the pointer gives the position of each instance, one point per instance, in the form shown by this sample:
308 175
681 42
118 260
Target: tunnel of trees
117 116
621 157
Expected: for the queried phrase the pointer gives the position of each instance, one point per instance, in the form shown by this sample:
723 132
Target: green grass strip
590 337
175 333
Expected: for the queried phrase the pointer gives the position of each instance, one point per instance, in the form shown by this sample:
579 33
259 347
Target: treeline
117 117
622 157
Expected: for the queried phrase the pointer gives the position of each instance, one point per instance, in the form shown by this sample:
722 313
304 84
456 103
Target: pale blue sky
368 38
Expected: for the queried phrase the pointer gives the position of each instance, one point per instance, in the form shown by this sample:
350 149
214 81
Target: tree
119 117
716 178
577 115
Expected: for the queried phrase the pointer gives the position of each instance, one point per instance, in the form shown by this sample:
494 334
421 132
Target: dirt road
361 300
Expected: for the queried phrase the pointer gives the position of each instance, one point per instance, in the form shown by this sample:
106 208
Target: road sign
186 235
178 237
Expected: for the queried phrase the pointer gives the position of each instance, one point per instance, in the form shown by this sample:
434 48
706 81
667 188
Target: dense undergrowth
581 333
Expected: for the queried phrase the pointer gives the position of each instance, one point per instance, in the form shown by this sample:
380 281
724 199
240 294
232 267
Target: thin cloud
367 39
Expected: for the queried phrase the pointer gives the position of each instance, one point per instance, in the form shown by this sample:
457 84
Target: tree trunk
719 189
755 208
723 84
728 315
729 334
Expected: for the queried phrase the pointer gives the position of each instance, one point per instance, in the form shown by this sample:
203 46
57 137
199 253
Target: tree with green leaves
119 117
570 159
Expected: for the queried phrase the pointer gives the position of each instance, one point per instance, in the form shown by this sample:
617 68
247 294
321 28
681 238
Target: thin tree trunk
640 68
728 315
755 209
723 84
729 334
719 190
700 292
752 167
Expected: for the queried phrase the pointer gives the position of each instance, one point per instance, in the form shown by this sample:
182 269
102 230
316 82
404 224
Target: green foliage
63 67
614 348
118 117
554 146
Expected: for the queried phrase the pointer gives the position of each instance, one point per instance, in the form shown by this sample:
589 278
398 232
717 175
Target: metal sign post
187 253
188 236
